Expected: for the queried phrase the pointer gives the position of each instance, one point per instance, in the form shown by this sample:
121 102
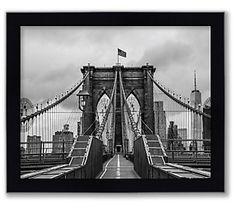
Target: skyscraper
160 121
196 124
195 97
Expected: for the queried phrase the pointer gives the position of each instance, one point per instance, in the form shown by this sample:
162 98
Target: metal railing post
43 153
40 151
63 149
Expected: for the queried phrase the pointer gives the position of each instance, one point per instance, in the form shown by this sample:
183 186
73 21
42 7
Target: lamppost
82 98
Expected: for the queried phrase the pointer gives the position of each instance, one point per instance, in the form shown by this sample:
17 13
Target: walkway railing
196 150
172 97
58 101
45 150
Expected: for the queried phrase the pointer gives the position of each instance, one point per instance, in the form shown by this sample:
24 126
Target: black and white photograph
115 102
119 102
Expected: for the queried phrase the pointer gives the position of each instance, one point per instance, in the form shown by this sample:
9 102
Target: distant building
196 101
175 131
160 121
62 140
182 133
26 108
33 144
172 134
195 98
207 124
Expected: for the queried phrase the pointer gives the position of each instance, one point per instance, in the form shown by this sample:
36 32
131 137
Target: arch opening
128 134
101 109
135 108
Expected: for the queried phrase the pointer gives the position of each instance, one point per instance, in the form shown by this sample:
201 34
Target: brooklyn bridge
117 123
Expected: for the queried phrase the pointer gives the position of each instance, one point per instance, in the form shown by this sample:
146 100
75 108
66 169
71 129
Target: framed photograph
115 102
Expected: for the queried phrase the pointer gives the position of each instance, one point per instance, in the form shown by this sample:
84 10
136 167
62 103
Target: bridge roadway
118 167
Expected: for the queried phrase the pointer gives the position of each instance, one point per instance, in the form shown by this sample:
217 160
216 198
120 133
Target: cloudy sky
53 56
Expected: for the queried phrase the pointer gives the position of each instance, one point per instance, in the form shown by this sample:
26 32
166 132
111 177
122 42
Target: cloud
53 56
39 87
169 53
176 60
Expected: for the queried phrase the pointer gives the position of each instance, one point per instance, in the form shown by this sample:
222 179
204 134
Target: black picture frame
16 20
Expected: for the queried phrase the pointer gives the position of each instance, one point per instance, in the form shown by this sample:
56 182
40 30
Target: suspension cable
133 124
89 127
177 100
147 126
113 95
55 103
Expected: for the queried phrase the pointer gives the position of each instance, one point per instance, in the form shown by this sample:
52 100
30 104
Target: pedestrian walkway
118 167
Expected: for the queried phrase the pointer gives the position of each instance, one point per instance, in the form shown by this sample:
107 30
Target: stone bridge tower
135 80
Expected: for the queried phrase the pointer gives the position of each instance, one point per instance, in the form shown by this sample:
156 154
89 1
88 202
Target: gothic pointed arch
134 105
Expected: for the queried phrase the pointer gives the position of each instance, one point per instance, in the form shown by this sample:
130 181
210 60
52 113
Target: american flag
121 53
